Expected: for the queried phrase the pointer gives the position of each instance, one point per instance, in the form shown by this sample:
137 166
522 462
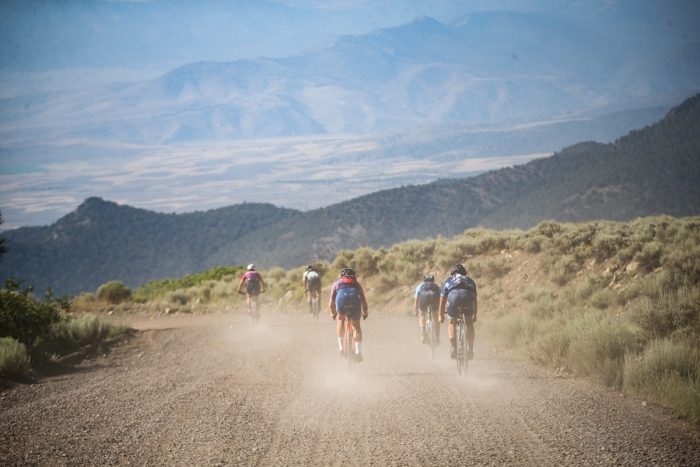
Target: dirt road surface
211 390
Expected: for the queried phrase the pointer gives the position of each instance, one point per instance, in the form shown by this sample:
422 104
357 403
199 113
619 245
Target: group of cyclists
456 298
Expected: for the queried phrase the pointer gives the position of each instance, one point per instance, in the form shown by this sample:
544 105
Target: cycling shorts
355 315
459 299
253 288
314 285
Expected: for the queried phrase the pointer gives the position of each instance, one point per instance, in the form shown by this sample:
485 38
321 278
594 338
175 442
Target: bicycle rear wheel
430 334
349 345
462 350
254 313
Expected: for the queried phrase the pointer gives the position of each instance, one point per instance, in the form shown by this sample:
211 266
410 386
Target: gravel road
211 390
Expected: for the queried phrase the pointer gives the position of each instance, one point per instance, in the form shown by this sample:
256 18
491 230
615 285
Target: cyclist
348 302
427 294
255 286
312 285
459 294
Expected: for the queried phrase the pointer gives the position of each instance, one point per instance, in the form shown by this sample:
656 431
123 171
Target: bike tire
431 341
254 313
349 346
462 351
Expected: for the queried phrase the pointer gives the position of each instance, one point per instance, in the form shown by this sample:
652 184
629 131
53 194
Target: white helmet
251 267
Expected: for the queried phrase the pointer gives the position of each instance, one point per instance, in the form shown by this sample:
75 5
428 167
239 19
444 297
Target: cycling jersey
460 293
428 294
253 278
313 280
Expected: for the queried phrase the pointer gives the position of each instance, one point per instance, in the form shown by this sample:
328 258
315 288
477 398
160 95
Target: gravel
212 390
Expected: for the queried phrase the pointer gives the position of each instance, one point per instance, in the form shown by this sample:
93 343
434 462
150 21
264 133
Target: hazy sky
54 44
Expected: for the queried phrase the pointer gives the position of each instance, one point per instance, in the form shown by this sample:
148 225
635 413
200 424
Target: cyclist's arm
331 303
443 303
365 307
475 309
415 305
241 283
262 283
305 282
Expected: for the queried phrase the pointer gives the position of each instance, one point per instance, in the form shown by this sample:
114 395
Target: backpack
348 295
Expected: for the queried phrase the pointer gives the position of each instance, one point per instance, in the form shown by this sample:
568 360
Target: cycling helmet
428 278
251 267
458 269
347 272
309 267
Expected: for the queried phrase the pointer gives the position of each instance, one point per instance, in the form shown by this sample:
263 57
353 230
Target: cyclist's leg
247 300
421 322
357 334
341 331
309 294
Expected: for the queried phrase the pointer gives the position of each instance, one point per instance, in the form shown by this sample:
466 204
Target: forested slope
652 171
102 240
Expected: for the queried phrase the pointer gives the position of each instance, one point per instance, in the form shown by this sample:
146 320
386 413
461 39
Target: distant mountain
652 171
485 68
102 241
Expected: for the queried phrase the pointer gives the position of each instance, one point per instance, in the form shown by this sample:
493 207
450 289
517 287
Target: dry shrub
228 278
365 262
668 372
177 298
602 299
546 229
563 269
495 268
599 350
672 310
649 257
14 359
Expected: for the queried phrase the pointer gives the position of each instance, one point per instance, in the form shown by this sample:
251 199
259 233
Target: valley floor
212 390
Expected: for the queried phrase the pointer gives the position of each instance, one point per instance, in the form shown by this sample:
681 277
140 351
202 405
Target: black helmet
309 267
458 269
347 272
428 278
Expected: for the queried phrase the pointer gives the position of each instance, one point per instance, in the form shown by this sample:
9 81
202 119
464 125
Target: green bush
24 318
14 359
602 299
495 268
114 292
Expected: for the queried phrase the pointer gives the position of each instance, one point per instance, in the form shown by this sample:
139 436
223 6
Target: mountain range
651 171
489 67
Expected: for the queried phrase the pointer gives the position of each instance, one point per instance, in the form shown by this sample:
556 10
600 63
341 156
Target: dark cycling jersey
460 293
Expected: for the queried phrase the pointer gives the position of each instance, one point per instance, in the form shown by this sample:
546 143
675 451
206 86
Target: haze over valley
403 104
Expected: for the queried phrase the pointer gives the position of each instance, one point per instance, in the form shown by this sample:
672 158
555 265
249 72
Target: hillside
101 241
652 171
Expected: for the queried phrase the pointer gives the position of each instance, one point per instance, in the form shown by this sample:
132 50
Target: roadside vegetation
618 302
34 332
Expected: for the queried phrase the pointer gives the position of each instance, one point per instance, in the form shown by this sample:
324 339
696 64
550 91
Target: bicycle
461 334
315 307
349 339
430 333
254 311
